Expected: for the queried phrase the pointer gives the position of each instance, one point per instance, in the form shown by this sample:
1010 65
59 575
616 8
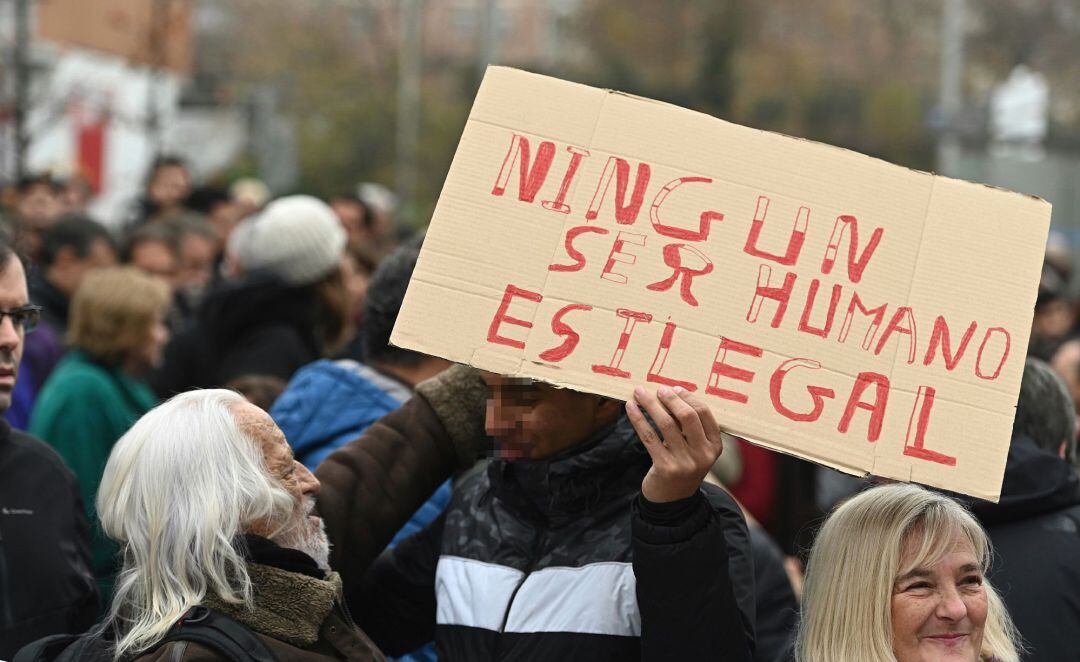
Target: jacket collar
288 606
576 480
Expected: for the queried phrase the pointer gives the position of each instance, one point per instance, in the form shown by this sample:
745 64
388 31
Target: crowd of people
211 451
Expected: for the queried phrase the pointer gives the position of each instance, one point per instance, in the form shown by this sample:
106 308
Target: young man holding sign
590 536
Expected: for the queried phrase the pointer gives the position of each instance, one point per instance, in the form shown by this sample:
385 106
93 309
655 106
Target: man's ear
1061 449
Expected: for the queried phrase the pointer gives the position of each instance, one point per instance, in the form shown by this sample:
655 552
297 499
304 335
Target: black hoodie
256 325
1035 530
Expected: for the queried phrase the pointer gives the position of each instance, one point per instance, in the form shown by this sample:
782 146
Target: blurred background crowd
145 132
204 189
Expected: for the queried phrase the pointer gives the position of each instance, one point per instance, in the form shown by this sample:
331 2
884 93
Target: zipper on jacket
6 617
534 558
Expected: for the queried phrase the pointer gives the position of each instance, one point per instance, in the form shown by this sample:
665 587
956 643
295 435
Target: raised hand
689 447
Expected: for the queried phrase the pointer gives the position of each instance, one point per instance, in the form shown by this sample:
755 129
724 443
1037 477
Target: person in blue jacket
330 403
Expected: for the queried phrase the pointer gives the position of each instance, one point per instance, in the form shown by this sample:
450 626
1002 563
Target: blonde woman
897 574
116 333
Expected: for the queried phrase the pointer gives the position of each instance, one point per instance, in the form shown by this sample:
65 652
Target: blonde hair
854 564
113 310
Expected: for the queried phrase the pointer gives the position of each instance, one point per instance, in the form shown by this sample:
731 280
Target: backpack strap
47 648
216 631
201 625
64 648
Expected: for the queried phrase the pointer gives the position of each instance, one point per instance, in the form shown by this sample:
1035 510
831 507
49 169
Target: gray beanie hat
297 237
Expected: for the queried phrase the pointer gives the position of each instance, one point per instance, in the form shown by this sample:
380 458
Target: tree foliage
862 75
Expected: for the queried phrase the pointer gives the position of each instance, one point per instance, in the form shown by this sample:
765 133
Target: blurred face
224 216
938 611
12 295
68 271
1066 363
351 216
101 254
169 186
150 354
530 420
356 283
76 195
155 258
38 207
303 531
197 255
1054 320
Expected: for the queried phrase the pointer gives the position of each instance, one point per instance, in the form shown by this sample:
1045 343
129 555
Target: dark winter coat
777 612
256 325
562 559
46 581
1035 531
297 613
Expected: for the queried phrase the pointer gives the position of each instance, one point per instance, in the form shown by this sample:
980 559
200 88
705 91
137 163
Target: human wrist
658 490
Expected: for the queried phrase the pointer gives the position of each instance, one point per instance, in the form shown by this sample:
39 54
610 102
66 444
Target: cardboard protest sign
823 303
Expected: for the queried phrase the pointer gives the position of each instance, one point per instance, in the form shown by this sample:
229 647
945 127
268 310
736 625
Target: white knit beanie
298 237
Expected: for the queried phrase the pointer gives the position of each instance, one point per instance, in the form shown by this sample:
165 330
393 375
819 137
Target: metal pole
153 120
951 90
489 42
22 84
408 107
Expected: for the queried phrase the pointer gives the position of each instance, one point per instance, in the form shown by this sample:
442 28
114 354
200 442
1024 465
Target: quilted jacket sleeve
695 579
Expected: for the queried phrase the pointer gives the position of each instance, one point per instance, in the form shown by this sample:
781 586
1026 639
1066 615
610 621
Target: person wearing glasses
46 581
116 334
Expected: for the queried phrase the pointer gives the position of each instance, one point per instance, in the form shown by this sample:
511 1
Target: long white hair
179 488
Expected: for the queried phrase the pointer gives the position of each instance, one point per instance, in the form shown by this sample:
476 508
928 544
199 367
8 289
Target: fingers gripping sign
686 446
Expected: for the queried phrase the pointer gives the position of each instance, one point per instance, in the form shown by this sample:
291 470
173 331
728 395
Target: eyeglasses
24 317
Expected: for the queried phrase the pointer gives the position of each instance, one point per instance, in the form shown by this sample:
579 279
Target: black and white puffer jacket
562 559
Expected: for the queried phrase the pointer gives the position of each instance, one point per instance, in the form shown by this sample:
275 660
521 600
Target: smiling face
939 608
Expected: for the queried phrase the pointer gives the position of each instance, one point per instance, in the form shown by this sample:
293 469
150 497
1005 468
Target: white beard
307 535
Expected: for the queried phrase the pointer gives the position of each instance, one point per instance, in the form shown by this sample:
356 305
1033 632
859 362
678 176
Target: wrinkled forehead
258 425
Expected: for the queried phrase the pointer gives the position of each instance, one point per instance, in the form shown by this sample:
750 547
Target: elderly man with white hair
213 510
224 557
